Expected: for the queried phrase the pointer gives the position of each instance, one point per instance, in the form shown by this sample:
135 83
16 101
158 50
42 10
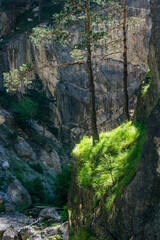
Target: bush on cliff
109 165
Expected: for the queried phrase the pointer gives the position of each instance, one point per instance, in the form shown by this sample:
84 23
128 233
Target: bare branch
83 9
48 66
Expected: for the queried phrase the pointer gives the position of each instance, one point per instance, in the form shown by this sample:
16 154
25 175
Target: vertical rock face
69 85
135 214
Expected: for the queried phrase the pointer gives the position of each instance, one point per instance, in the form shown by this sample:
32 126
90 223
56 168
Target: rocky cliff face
69 85
135 214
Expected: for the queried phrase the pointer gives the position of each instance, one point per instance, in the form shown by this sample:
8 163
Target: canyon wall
135 213
69 85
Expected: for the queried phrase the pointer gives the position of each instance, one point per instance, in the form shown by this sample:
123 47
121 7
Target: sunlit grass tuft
109 165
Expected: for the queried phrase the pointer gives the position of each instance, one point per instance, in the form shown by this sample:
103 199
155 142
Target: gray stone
50 213
30 19
26 232
4 198
2 230
51 161
36 9
5 165
18 194
2 119
17 220
23 148
71 89
9 234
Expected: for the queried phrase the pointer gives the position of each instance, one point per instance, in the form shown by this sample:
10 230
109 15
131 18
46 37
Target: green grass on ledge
108 166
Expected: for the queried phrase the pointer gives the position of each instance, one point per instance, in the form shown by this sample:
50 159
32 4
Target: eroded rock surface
23 148
20 227
135 213
69 86
18 194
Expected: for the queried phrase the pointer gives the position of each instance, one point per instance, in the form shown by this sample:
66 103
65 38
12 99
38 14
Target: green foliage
22 208
35 189
38 95
61 186
109 165
37 167
62 32
14 78
64 214
83 234
146 83
25 110
2 208
13 136
6 100
75 15
148 73
145 89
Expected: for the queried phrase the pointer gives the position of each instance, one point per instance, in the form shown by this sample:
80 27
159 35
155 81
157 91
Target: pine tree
125 70
84 16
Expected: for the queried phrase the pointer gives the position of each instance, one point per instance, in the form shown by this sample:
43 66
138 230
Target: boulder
30 19
18 194
2 119
26 232
36 9
23 148
4 198
50 212
9 234
51 161
2 230
17 220
5 165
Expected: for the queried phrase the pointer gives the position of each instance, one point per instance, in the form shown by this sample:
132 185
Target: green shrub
38 95
37 167
35 189
24 110
13 136
148 73
64 214
2 207
22 208
6 99
109 165
146 83
61 186
83 234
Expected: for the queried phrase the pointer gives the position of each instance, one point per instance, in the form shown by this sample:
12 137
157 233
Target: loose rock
9 234
4 198
26 232
23 148
2 119
18 194
5 165
51 160
50 213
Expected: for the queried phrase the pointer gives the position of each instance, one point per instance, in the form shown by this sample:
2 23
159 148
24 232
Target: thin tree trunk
125 71
40 9
93 114
13 16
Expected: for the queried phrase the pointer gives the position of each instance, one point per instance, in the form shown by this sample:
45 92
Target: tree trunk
125 70
13 16
93 114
